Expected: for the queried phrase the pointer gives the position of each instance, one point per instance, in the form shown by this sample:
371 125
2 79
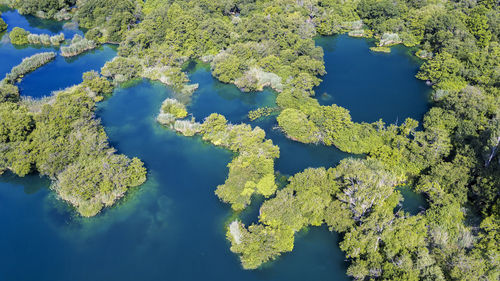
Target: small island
449 157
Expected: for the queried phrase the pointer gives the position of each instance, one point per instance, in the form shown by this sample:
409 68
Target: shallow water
214 96
172 227
372 85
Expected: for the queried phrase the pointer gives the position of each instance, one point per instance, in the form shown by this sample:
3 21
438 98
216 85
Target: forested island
452 158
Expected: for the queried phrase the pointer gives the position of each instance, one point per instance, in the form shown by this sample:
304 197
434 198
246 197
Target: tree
18 36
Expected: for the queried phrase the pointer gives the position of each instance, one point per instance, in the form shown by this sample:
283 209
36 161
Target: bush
174 107
19 36
29 64
188 128
297 126
78 45
122 69
3 25
8 92
97 84
45 39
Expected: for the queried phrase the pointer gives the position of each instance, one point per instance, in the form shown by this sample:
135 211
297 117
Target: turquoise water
372 85
413 203
172 227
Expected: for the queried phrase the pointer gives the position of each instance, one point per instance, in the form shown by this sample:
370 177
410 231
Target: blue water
371 85
36 25
173 226
413 203
12 55
214 96
64 72
56 75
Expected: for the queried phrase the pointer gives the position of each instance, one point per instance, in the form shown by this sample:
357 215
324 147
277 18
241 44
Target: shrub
3 25
29 64
78 45
19 36
174 107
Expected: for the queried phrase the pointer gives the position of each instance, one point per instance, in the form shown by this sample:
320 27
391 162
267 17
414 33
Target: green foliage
89 184
66 143
443 70
19 36
295 123
454 160
259 243
96 84
122 69
45 39
252 170
42 8
227 68
8 92
355 190
261 112
112 18
3 25
173 107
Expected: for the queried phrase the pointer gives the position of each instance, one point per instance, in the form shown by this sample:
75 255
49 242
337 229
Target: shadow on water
413 202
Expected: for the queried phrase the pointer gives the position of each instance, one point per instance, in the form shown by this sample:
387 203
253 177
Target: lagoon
173 226
372 85
56 75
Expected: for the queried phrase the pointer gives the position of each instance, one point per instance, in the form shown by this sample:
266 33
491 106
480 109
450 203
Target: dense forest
453 160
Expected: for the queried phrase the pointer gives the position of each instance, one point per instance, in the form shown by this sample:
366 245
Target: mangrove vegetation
452 158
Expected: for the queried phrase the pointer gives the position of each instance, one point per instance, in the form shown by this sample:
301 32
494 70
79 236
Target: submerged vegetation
61 139
453 160
252 169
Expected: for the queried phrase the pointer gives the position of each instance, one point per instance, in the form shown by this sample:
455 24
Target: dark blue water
172 227
56 75
214 96
36 25
371 85
12 55
64 72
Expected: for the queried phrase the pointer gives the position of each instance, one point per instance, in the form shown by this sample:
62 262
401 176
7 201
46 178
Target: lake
57 74
173 226
372 85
